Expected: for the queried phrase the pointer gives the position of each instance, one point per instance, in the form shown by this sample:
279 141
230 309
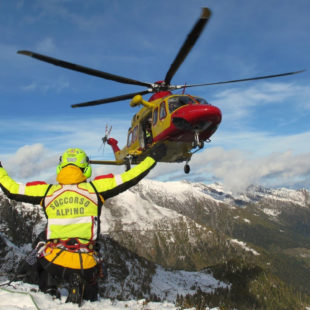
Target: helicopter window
201 100
162 111
177 101
129 138
134 134
155 114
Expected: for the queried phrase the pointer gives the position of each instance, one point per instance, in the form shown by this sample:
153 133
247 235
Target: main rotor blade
82 69
243 80
108 100
188 44
107 162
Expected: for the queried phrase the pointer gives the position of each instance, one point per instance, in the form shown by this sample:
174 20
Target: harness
73 245
71 254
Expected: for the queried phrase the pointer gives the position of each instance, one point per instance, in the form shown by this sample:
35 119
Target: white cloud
231 167
29 87
30 161
262 143
38 159
62 11
55 86
237 171
246 158
46 45
238 102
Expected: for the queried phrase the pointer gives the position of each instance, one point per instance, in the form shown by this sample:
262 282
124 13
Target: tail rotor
105 138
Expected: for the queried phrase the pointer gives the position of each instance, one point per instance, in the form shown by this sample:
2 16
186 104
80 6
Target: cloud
238 102
53 86
36 162
237 171
269 161
65 10
31 161
242 158
46 45
262 143
233 168
48 138
30 87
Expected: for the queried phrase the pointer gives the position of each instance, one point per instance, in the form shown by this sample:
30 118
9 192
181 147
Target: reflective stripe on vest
72 213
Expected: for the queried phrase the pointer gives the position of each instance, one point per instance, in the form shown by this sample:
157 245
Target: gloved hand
158 152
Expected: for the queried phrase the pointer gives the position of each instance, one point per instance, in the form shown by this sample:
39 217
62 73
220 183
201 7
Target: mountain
190 243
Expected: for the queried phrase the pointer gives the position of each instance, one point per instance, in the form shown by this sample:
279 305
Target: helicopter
180 123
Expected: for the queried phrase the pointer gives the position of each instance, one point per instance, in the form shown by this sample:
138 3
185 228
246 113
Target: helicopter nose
197 117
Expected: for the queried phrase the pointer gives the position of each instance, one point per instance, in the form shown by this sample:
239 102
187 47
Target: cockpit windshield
201 100
177 101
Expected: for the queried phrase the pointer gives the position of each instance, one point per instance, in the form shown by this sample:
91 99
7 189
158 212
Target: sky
265 132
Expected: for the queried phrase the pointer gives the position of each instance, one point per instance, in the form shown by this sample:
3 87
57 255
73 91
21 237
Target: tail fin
114 145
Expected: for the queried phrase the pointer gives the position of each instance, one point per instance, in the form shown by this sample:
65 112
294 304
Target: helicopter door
141 136
145 132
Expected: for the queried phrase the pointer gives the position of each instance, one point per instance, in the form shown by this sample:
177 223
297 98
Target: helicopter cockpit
176 102
201 100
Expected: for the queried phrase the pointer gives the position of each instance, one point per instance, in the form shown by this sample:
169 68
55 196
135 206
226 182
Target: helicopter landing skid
199 144
197 141
187 167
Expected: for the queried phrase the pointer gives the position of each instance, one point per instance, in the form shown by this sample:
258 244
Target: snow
290 195
22 296
181 282
153 204
181 190
136 213
9 300
244 246
258 193
271 212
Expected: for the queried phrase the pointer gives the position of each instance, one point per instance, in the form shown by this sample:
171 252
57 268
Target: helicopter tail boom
113 143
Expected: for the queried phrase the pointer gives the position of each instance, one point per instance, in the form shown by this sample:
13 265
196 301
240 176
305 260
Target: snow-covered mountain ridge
181 195
255 194
216 192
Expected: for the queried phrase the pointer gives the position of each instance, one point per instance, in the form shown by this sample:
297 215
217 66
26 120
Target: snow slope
24 296
182 282
213 195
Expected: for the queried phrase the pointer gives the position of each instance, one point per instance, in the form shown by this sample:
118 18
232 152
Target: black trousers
50 274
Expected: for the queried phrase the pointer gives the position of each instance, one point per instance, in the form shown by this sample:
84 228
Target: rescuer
73 208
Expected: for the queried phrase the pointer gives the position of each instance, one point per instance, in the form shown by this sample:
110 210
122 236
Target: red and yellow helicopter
180 123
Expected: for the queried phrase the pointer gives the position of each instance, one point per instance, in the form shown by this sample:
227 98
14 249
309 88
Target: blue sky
265 133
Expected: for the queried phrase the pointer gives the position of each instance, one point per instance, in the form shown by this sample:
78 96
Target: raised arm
31 192
110 185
